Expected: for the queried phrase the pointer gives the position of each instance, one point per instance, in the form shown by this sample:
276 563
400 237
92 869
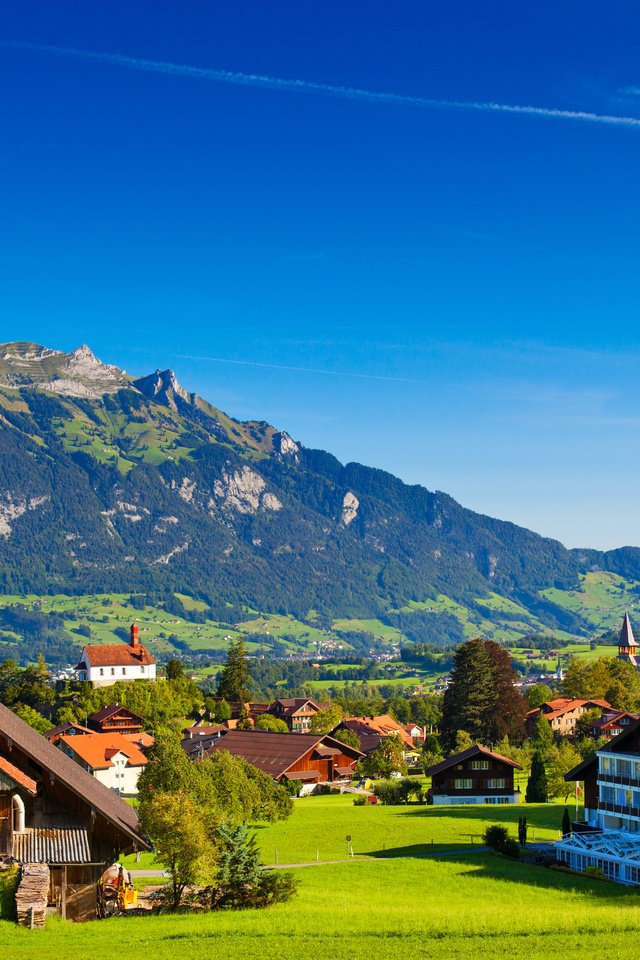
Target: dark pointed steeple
627 639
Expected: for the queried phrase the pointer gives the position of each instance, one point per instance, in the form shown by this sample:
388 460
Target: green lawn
322 823
480 907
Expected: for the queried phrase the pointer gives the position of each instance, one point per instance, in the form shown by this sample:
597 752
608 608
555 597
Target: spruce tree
235 680
537 785
471 698
566 823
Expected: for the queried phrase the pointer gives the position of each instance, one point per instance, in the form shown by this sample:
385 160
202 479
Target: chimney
134 635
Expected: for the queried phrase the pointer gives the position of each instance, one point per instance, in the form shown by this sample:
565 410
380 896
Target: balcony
619 781
619 809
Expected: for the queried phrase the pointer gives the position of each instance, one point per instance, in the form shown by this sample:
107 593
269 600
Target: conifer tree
566 823
537 785
470 698
235 679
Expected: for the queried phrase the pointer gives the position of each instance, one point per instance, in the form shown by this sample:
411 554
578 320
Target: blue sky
450 293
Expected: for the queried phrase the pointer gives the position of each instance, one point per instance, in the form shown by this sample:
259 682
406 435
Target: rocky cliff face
76 374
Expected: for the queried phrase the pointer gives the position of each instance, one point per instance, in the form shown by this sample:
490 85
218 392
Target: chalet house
53 812
308 757
563 714
609 836
295 711
372 730
612 723
115 719
112 758
476 775
106 664
67 729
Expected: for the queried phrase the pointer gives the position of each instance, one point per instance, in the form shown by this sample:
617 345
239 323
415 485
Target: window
124 670
480 765
496 783
101 672
463 784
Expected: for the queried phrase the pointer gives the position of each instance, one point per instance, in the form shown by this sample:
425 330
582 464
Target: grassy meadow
477 905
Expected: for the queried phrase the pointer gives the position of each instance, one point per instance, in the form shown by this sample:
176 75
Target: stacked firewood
32 894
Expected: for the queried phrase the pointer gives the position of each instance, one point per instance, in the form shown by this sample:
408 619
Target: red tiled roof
97 749
142 739
383 725
476 750
18 776
563 706
117 655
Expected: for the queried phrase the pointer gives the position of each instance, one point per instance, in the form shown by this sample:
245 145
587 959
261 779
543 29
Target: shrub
595 872
293 787
496 837
359 801
8 886
389 792
511 849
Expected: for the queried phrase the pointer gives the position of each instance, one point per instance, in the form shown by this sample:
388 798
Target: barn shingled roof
274 753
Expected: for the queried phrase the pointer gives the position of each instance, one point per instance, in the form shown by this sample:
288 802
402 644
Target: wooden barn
54 813
309 757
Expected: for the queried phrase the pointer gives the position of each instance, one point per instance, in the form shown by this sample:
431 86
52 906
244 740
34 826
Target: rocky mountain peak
75 374
163 387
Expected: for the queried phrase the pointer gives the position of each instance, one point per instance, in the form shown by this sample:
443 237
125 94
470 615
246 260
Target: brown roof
112 710
18 776
117 655
477 750
98 749
274 753
56 732
93 793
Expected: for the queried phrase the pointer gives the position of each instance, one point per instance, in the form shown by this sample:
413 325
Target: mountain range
114 483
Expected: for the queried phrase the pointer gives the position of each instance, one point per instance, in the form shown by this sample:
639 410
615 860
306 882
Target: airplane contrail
282 366
323 89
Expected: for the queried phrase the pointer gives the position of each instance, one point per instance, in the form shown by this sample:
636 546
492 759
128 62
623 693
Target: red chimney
134 634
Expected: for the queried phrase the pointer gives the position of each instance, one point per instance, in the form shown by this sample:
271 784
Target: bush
293 787
359 801
595 872
511 849
389 792
496 837
8 886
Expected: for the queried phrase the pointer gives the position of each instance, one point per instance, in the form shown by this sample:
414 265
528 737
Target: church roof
627 638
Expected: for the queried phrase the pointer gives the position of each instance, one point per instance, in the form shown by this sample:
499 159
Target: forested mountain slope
113 484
